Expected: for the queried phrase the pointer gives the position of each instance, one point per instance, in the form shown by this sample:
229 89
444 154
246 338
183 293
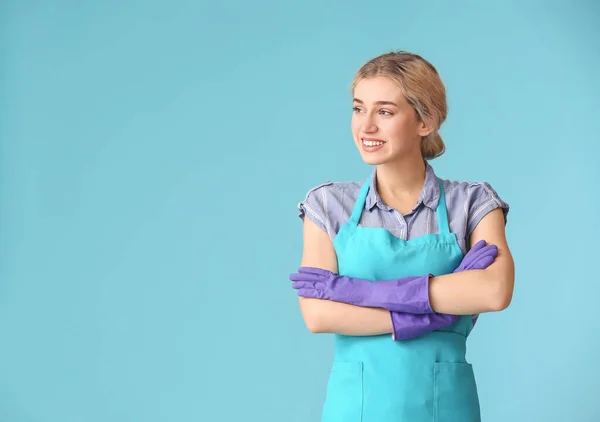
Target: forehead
379 88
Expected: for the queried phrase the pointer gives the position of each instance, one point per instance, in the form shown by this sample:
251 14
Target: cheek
399 128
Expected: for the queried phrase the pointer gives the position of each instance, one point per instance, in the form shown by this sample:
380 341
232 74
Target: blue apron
377 379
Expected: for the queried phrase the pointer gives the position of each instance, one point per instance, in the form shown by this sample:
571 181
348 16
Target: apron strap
442 213
359 205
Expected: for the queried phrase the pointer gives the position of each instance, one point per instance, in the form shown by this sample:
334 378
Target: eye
356 109
386 112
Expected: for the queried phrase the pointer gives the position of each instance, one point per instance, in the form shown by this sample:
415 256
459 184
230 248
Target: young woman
403 253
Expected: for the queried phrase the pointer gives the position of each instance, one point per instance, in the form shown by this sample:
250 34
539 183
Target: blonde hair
422 88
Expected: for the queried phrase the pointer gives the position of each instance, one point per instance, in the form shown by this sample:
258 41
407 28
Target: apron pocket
344 398
455 397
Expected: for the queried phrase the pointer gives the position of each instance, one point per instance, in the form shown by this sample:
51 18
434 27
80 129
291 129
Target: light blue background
152 157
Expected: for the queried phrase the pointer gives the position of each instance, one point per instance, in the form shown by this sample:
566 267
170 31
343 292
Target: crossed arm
462 293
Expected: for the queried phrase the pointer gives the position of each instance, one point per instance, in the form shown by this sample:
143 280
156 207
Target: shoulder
470 190
332 189
474 200
329 203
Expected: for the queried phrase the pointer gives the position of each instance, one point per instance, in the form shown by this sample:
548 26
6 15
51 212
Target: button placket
401 225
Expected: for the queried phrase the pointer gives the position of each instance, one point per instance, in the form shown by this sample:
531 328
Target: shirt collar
430 192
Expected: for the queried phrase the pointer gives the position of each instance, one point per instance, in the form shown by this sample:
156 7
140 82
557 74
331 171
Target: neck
399 180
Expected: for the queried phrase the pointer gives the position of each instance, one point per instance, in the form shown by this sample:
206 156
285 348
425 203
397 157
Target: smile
371 145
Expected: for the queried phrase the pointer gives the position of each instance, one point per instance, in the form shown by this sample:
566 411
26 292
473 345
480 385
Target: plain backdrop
152 157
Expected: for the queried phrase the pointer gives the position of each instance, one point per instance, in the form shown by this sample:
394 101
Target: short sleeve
314 206
482 199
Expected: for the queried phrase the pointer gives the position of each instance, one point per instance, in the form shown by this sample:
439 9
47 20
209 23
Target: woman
403 253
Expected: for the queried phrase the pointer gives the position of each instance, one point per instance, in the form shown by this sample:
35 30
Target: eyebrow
356 100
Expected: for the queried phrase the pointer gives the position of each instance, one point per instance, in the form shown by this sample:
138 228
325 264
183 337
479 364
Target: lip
366 148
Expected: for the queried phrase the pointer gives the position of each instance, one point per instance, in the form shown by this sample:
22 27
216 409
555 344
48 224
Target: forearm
469 292
326 316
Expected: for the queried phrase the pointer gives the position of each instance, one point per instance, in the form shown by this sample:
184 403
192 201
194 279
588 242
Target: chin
373 161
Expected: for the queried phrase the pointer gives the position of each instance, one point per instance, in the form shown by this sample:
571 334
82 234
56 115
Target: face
385 126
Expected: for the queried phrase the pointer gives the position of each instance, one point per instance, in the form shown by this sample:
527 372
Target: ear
425 128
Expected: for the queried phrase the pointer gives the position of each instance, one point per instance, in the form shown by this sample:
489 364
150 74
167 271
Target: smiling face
385 126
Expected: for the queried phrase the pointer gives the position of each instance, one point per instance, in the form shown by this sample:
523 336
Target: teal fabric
376 379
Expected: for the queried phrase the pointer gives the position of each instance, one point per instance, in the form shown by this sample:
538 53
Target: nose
369 125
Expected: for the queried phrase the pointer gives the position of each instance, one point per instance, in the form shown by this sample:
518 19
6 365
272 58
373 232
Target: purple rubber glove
407 294
407 326
479 257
